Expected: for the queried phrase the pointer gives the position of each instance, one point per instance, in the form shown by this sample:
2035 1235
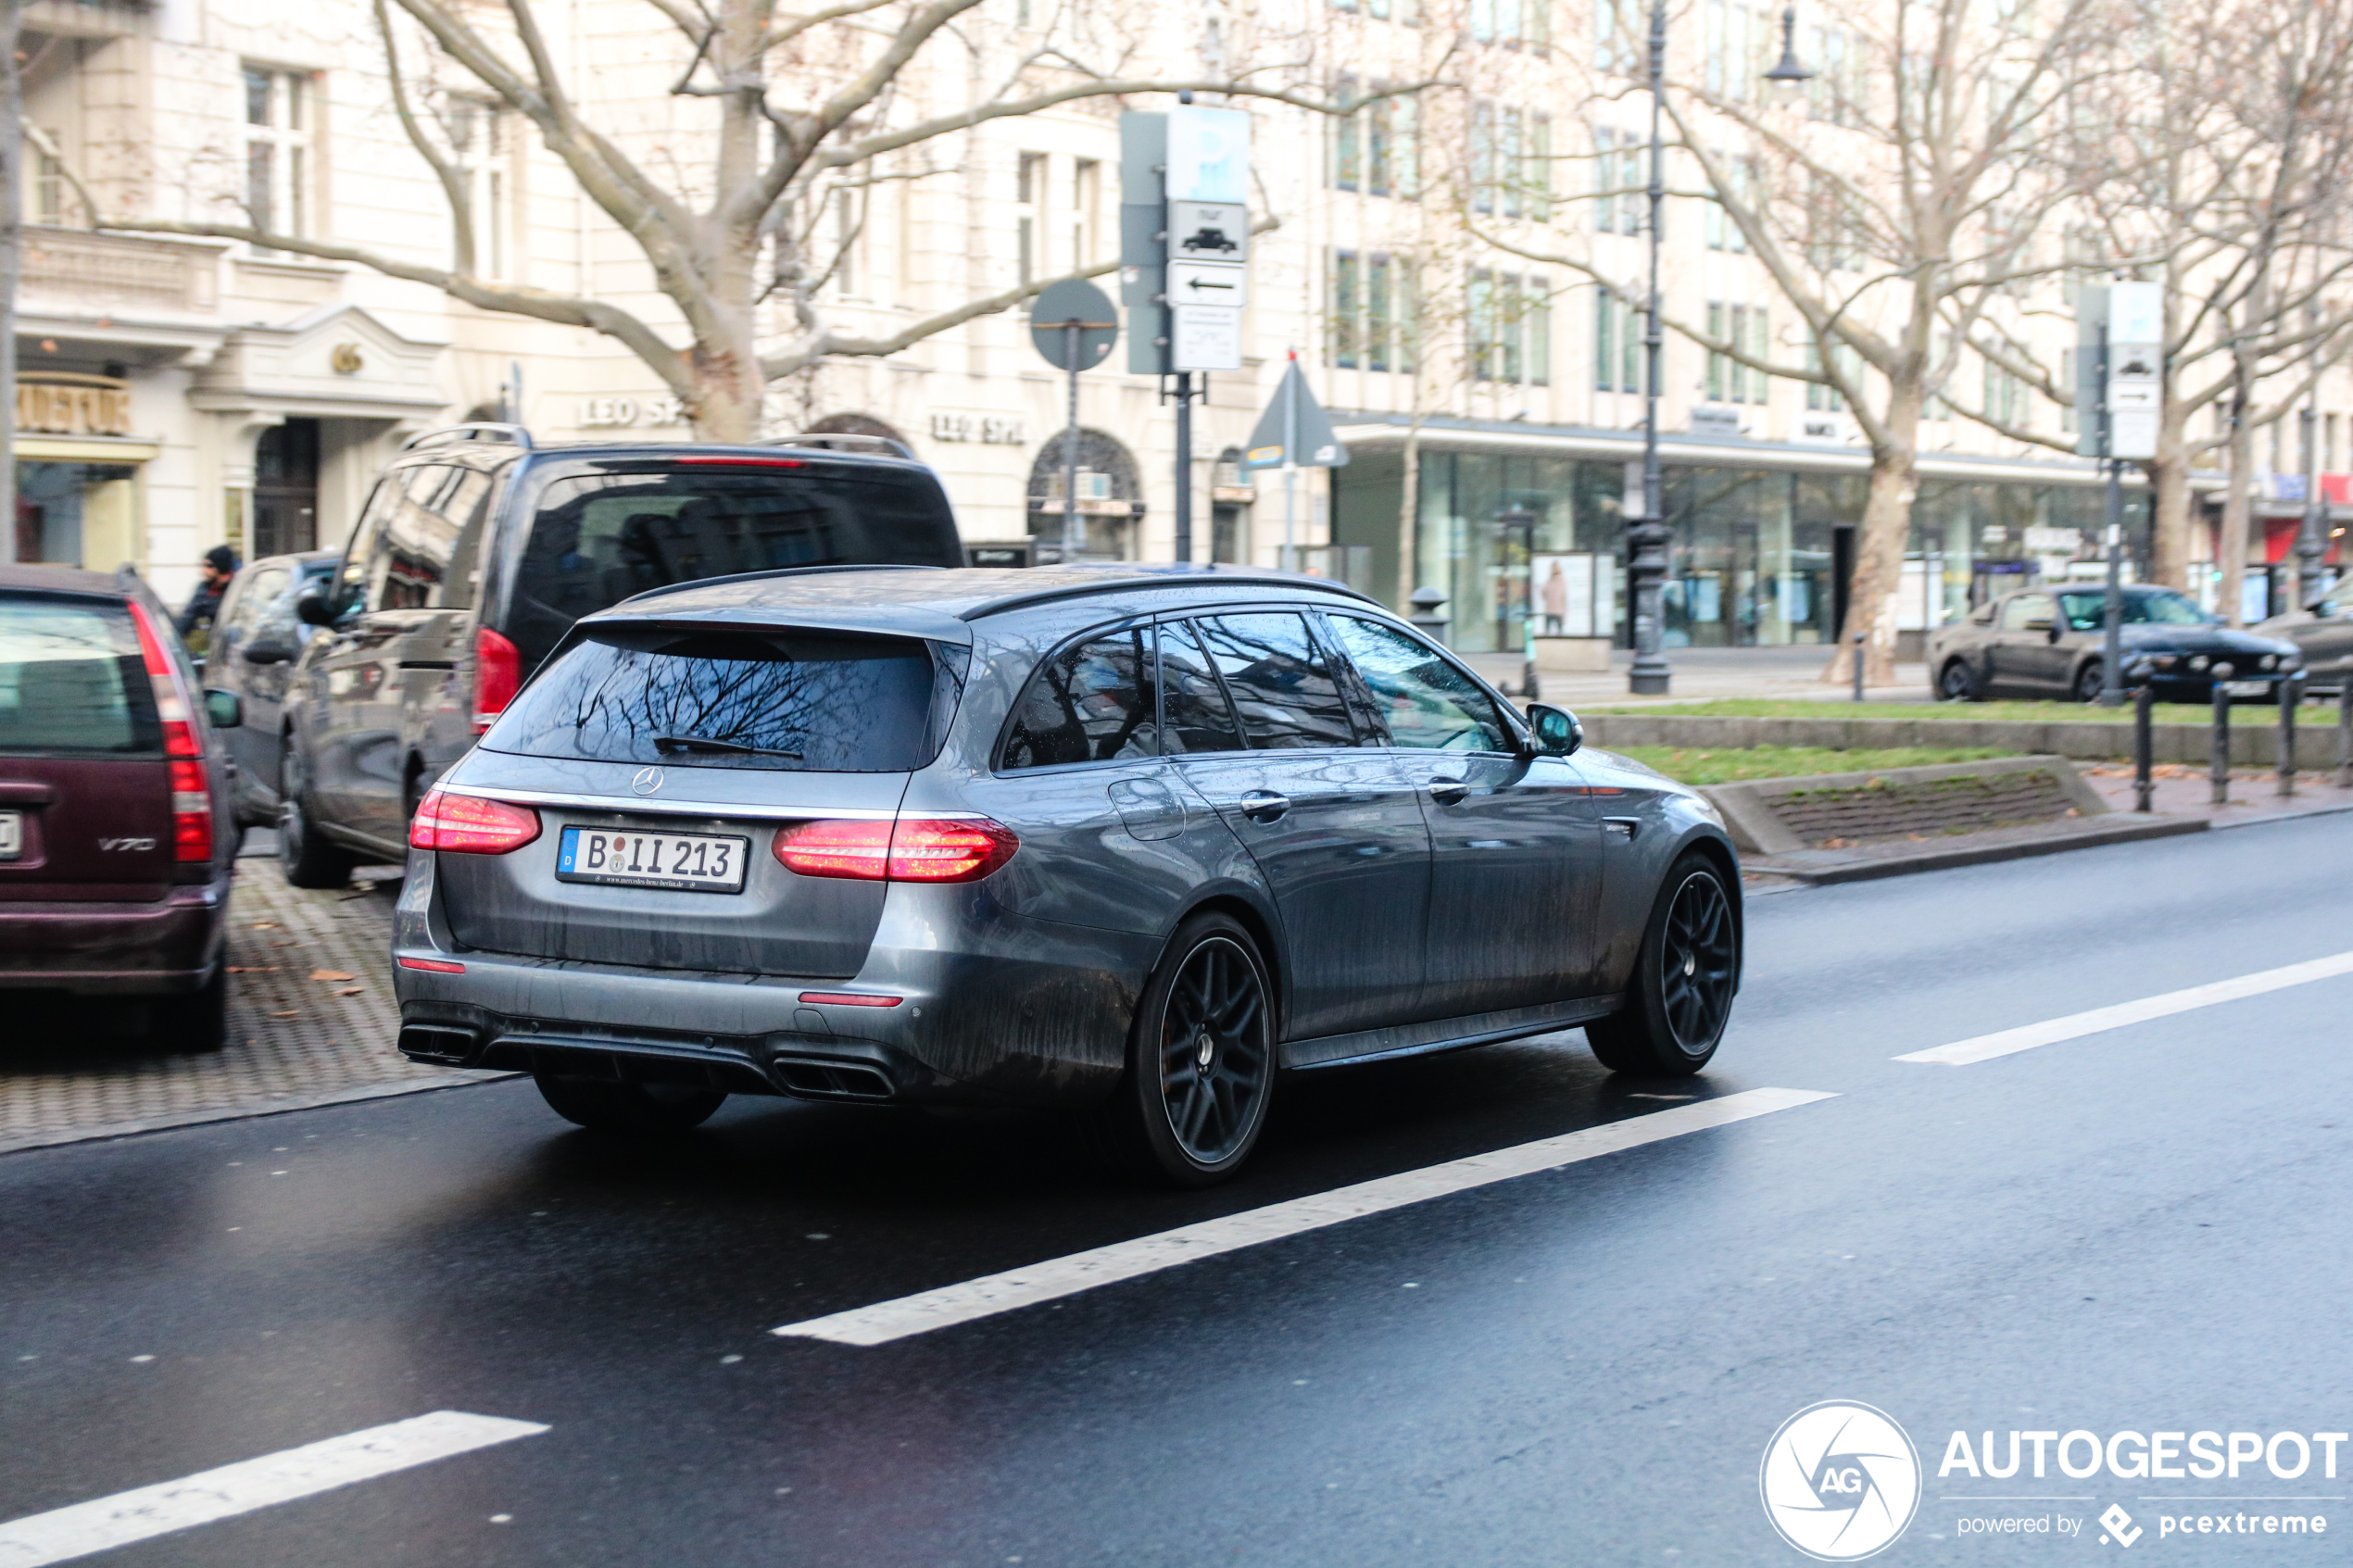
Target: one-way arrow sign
1209 282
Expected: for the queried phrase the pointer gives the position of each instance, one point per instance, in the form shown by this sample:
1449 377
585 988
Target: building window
1482 169
1029 189
1825 400
1085 192
1348 146
478 143
48 184
1618 182
1538 177
278 161
1743 330
1346 295
1380 137
1377 307
2006 401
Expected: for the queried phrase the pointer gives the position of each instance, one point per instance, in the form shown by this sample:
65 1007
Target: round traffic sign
1073 300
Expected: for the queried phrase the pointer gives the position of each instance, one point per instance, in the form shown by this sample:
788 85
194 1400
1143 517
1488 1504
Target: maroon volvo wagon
116 833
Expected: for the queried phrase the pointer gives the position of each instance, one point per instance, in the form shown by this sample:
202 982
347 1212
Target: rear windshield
71 679
598 538
816 702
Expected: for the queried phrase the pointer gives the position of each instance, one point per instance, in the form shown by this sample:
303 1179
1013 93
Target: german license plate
627 857
11 835
2246 688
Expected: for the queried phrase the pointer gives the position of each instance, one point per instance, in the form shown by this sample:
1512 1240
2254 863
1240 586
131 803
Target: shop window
279 108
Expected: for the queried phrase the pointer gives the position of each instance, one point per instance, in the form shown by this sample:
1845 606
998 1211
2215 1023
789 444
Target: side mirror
267 650
226 711
1557 731
314 607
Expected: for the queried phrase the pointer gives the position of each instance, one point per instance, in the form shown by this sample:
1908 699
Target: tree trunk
2170 502
2238 510
1879 543
727 390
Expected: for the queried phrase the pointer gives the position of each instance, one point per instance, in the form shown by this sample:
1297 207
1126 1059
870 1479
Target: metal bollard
2291 694
2143 747
1858 667
2219 771
2345 732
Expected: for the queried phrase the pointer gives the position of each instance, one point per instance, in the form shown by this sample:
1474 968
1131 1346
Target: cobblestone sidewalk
311 1021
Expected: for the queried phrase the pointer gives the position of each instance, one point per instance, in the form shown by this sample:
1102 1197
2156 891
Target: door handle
1447 792
1265 806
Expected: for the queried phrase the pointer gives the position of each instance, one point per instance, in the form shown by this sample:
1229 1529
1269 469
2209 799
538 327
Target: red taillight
191 786
851 998
913 849
467 824
751 462
498 676
836 848
433 966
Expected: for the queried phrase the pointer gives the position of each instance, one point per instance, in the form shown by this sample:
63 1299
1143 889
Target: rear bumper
166 948
992 1008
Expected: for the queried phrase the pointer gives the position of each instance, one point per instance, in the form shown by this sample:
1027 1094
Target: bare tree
791 113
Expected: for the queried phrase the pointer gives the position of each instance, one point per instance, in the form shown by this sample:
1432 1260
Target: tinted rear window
71 679
1090 703
598 538
817 702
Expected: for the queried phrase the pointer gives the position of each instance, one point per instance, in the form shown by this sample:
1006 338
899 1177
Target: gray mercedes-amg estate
1131 839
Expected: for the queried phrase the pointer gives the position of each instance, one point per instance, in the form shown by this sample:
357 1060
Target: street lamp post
2311 539
1649 537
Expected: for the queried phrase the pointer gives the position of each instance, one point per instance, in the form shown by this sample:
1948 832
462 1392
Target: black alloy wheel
305 855
1201 1064
1684 979
2088 681
1958 682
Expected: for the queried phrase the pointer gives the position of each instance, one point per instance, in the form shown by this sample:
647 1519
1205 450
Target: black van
478 550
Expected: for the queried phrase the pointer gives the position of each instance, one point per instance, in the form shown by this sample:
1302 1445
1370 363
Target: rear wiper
707 743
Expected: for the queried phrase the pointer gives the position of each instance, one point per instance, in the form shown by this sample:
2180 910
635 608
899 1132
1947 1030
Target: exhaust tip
446 1045
812 1079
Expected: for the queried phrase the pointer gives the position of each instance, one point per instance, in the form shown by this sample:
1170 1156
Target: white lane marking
1985 1047
919 1313
66 1533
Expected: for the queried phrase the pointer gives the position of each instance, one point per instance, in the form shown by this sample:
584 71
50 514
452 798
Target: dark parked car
115 840
477 551
2323 634
2049 643
1125 838
256 640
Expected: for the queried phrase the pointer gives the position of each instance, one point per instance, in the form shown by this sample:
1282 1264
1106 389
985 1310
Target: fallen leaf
352 991
266 926
332 975
252 969
286 1015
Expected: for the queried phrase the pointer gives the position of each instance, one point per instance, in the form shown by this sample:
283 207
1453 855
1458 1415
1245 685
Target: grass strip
1715 765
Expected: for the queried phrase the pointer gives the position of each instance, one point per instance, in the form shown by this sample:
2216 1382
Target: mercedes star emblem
648 780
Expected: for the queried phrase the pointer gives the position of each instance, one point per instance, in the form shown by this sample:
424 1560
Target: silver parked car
1131 839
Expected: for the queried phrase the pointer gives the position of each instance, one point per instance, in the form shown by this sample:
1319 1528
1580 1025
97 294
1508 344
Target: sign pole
2112 645
1184 551
1291 463
1071 539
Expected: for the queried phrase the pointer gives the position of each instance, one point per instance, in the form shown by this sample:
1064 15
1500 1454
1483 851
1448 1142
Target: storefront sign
58 404
989 430
618 413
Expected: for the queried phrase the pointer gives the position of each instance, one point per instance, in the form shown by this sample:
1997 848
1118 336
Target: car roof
941 601
300 561
63 580
489 456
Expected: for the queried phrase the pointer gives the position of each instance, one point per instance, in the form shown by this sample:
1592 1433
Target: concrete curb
1827 867
247 1112
1756 825
2254 735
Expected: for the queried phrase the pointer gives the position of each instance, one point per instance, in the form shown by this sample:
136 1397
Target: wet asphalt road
2145 1228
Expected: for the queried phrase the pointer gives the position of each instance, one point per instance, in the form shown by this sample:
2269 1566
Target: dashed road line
2075 1025
1015 1288
146 1512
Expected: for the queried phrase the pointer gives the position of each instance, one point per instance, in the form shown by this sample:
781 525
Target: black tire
308 856
629 1108
195 1023
2088 681
1680 995
1959 683
1201 1059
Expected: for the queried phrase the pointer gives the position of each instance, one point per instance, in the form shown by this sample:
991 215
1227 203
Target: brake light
912 850
467 824
432 966
750 462
191 785
498 676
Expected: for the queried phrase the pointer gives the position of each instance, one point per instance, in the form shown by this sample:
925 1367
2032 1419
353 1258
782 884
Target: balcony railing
75 266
